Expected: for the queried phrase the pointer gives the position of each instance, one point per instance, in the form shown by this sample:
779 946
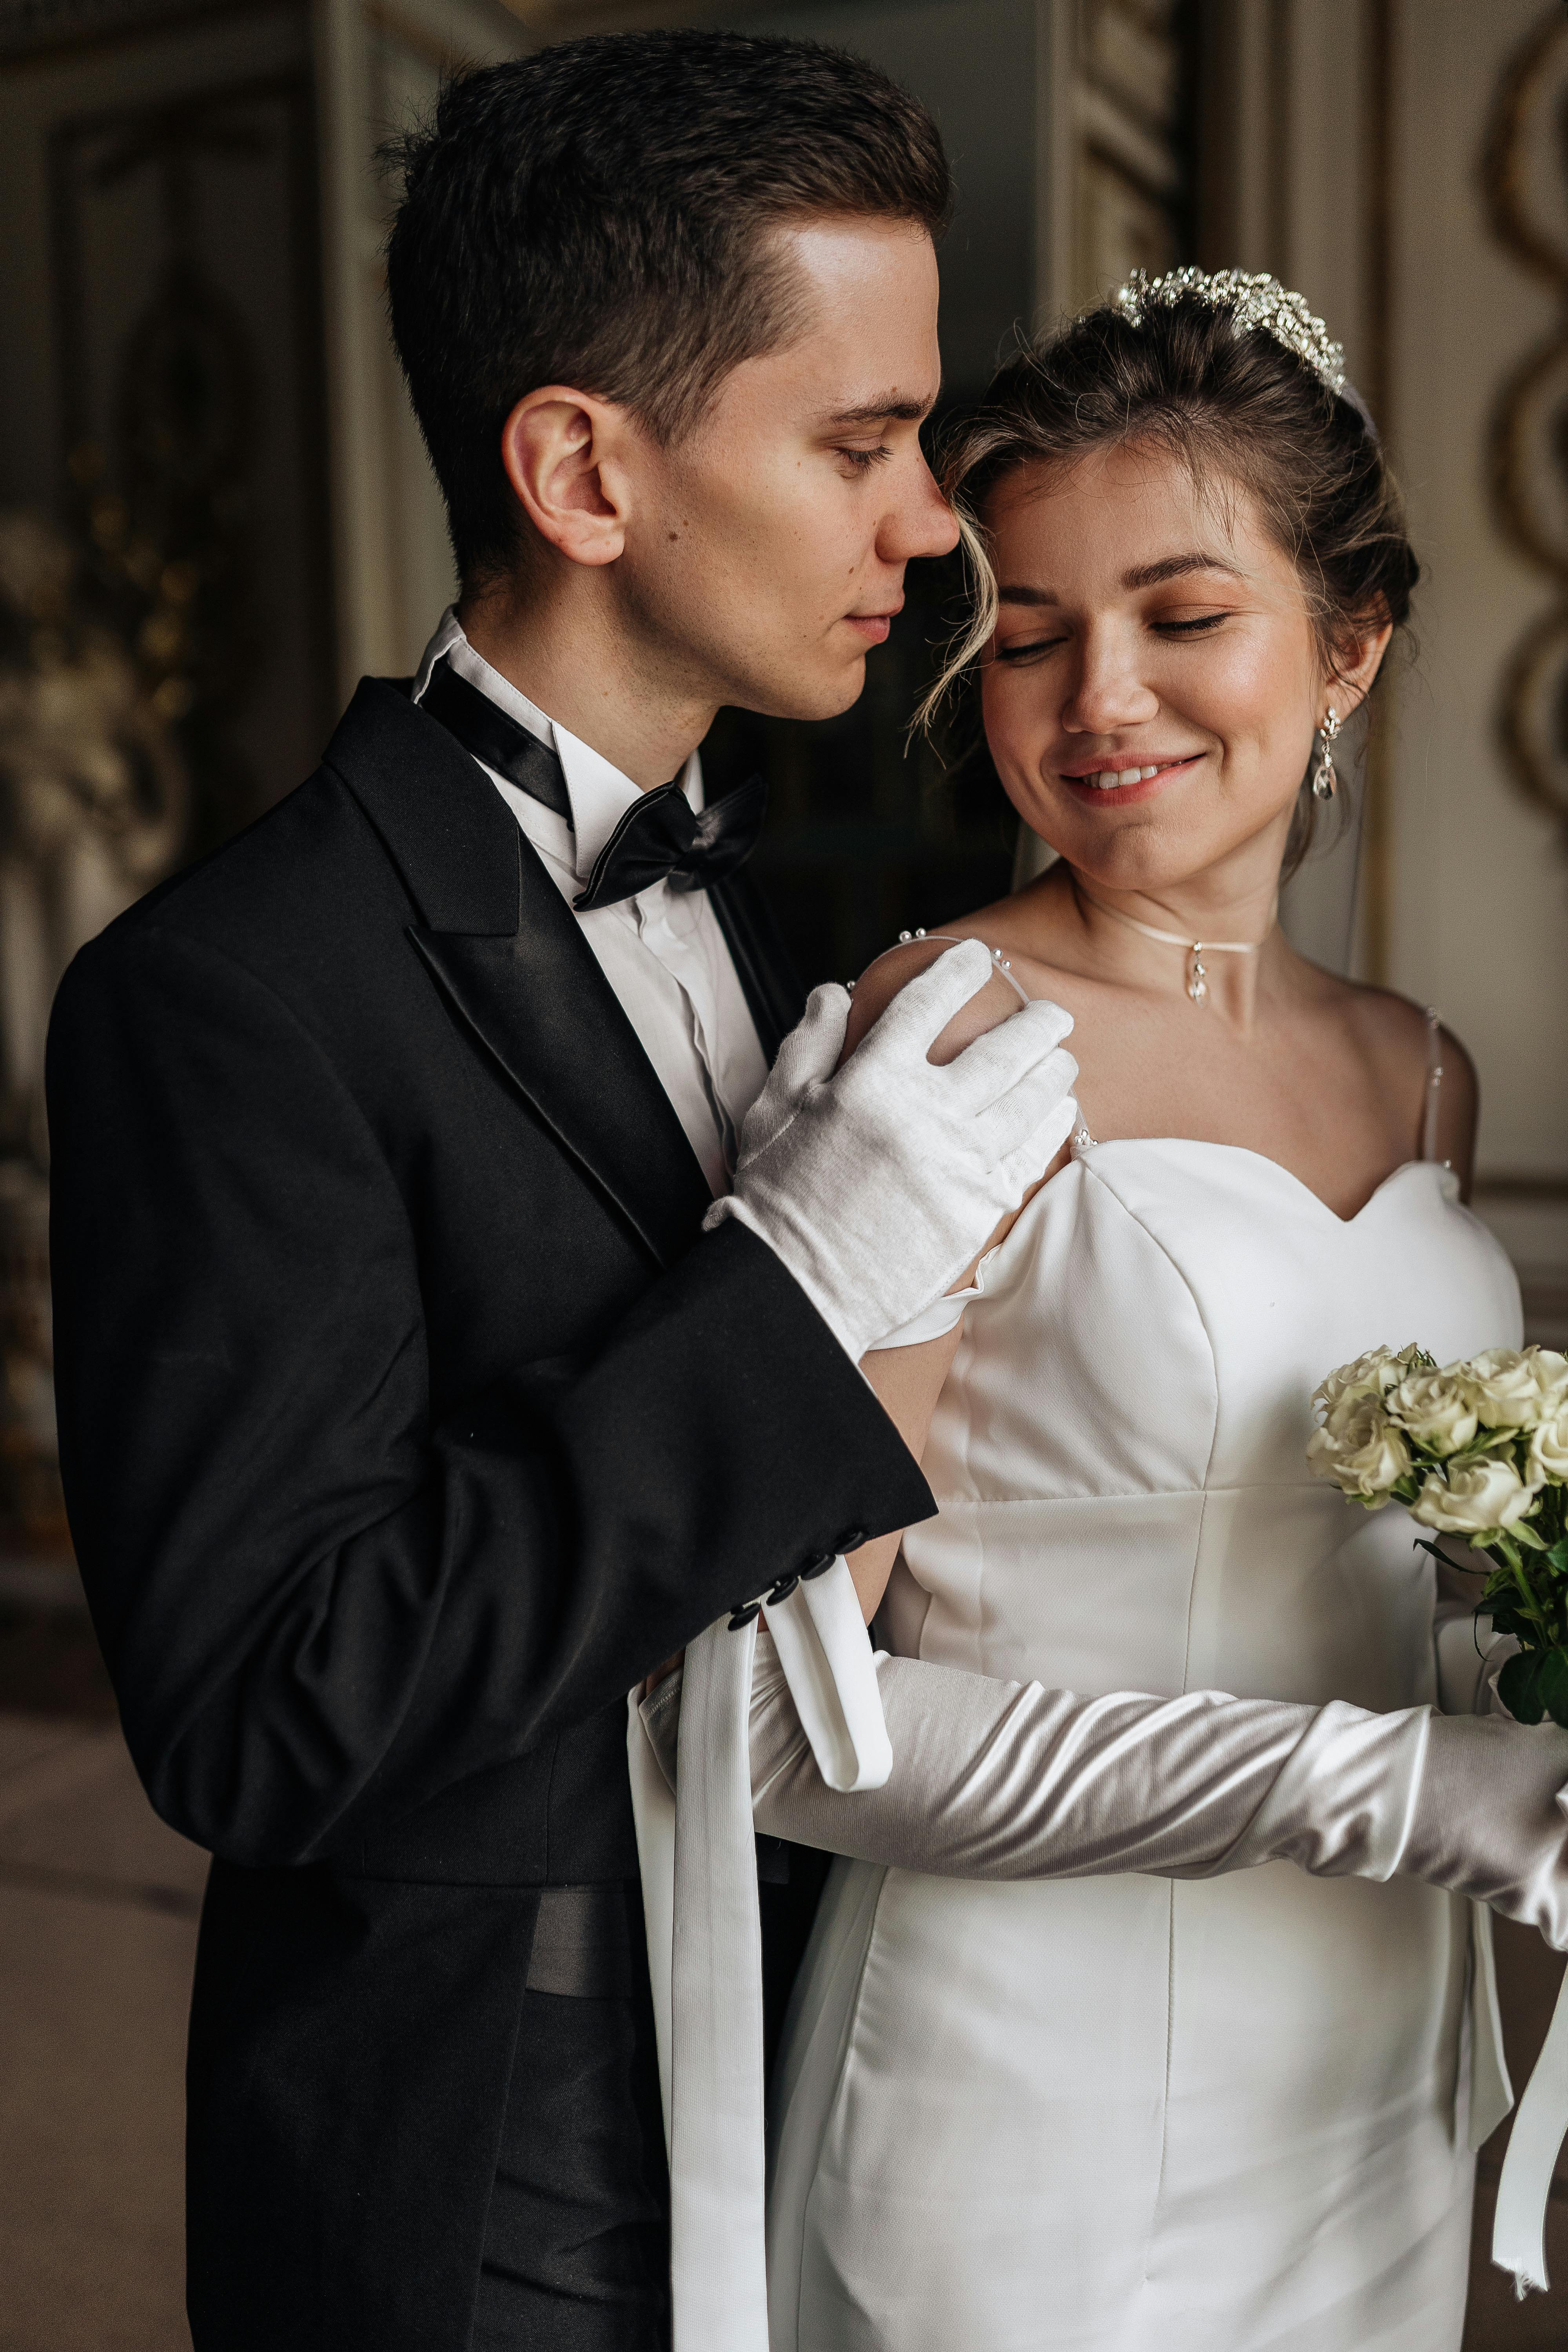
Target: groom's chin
825 694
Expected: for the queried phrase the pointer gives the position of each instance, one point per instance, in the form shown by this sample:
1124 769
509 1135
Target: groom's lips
874 627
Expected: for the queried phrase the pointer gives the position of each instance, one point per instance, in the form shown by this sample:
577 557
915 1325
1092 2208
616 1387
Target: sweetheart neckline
1200 1144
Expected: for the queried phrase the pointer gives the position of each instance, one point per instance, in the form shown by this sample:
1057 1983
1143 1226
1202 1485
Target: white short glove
878 1183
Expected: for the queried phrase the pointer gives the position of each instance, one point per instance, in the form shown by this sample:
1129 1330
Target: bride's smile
1121 781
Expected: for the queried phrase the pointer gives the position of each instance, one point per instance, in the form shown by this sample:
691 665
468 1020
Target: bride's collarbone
1151 1074
1329 1088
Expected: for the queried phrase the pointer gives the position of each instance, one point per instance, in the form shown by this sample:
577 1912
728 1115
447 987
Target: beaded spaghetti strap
952 938
1434 1084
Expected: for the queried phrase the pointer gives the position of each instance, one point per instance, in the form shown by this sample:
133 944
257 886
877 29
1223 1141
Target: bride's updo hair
1236 408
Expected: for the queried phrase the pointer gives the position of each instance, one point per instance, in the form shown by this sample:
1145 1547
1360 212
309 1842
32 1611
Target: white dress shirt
662 952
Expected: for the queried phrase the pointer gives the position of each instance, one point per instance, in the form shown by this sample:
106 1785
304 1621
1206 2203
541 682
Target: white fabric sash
698 1857
1518 2225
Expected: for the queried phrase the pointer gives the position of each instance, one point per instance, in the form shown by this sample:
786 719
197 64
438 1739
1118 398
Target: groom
409 1417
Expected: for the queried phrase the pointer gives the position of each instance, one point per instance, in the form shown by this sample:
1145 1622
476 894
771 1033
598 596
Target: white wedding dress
1123 2113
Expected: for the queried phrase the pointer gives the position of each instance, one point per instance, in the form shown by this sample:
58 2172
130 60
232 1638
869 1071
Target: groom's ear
567 455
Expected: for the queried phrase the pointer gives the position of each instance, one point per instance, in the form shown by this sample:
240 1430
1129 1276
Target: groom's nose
919 520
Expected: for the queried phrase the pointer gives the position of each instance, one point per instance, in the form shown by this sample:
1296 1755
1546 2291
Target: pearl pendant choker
1197 977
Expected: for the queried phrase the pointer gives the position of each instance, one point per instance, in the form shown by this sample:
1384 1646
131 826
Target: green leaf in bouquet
1517 1687
1552 1684
1459 1566
1522 1532
1505 1620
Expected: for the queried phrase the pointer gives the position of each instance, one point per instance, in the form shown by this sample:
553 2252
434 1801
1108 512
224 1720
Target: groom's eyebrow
894 408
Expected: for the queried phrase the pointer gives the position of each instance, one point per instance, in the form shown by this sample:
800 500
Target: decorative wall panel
1525 180
187 301
1134 121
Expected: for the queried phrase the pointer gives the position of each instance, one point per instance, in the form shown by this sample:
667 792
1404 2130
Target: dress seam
966 1348
1171 1919
1186 1281
1308 1486
1165 2094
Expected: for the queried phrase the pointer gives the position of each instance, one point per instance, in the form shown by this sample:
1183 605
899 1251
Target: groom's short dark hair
596 215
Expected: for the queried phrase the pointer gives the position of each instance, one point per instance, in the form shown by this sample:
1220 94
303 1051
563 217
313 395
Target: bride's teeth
1110 780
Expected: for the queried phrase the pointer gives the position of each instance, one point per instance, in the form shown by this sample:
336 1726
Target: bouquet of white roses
1480 1450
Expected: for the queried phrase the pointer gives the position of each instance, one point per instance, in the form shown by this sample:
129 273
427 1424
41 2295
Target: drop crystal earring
1324 776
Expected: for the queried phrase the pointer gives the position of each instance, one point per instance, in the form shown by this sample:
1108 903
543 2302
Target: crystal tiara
1260 303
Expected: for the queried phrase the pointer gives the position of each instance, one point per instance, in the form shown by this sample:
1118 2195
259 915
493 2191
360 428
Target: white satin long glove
876 1183
1005 1781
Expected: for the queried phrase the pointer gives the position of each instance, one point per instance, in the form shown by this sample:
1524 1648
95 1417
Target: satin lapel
548 1016
508 955
763 963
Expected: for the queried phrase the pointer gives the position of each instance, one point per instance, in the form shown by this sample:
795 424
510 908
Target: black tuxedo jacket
407 1418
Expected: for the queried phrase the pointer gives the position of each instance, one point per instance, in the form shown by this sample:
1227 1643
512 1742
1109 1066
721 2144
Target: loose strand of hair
971 640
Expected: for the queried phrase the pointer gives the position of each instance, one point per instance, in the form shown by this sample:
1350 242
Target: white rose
1551 1372
1372 1375
1549 1449
1505 1385
1360 1449
1477 1499
1437 1409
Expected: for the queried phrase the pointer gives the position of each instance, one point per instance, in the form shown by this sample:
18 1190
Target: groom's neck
564 640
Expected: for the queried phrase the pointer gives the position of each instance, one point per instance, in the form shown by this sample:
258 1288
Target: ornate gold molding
1527 450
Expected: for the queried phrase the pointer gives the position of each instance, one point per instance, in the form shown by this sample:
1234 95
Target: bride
1119 2112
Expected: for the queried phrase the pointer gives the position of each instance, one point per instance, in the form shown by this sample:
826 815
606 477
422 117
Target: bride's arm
1006 1781
908 1379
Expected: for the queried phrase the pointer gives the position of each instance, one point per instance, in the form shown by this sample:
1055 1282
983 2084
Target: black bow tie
660 836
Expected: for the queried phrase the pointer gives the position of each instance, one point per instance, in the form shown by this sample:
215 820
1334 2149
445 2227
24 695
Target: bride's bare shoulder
1396 1037
914 952
1010 927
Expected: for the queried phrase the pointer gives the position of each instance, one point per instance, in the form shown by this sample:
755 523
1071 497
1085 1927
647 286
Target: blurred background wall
215 514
